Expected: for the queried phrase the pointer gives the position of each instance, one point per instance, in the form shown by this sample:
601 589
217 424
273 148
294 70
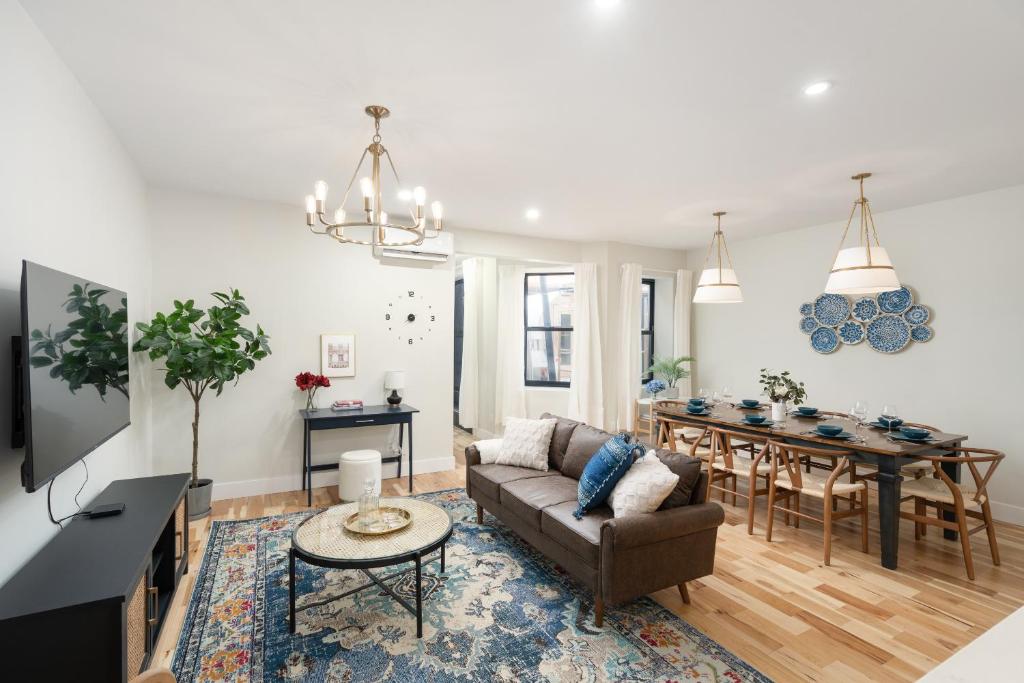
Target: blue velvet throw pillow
604 470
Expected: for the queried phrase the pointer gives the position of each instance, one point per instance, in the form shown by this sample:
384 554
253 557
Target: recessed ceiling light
606 4
817 88
532 214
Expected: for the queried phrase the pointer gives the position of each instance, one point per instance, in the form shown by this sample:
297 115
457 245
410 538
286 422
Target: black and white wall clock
410 318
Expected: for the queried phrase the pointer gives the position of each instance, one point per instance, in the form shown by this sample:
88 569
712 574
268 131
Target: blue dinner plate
703 412
766 423
840 435
757 407
816 416
881 425
899 436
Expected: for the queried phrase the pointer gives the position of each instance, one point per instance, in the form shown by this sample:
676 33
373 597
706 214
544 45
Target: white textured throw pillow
526 443
643 487
489 450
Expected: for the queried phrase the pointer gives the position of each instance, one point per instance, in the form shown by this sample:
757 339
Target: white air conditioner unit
439 248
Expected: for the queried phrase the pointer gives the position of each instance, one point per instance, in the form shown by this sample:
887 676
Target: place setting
896 430
807 412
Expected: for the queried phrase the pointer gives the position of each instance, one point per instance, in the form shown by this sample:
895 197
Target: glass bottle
369 504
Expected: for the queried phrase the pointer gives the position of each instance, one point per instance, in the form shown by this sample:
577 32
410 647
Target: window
647 327
548 344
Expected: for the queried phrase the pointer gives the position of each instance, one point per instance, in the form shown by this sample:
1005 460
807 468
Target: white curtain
681 320
586 393
510 391
472 288
630 354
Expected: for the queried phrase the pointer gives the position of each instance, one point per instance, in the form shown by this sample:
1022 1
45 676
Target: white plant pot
779 411
671 392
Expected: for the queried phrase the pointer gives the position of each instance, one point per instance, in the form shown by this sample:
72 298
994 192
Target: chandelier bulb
310 204
366 186
437 210
383 217
339 216
420 195
320 190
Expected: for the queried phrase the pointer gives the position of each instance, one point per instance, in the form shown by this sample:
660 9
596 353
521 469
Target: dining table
869 446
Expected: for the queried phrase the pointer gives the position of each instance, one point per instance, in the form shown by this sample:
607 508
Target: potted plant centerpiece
781 389
671 370
203 350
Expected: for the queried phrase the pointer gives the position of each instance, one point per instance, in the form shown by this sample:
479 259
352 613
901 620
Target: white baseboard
293 482
1005 512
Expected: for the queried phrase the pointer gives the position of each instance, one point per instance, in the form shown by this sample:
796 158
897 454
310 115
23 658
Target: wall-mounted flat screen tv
75 369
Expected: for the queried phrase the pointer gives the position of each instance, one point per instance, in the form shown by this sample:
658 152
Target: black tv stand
90 605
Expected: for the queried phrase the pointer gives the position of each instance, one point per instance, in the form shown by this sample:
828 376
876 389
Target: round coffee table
323 540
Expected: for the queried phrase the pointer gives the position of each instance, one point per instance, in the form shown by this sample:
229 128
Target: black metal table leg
419 598
291 591
309 467
442 557
302 469
889 510
410 455
952 470
401 433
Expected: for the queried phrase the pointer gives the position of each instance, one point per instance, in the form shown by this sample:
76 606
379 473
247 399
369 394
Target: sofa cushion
525 443
582 537
583 444
605 470
688 470
564 427
527 497
644 487
488 478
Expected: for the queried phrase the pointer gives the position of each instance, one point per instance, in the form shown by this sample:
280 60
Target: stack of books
347 404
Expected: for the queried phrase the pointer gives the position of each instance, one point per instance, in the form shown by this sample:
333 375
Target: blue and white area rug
501 612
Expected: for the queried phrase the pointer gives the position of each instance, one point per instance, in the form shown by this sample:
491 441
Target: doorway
460 309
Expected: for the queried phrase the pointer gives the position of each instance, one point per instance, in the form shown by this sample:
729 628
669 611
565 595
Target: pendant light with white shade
866 268
717 284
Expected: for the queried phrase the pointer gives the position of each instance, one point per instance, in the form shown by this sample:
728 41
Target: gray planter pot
199 499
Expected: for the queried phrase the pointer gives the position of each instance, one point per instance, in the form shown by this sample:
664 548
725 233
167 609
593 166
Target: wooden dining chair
788 481
726 465
965 500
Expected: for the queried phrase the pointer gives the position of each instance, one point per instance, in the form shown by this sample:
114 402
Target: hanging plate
888 333
808 324
921 333
806 309
851 332
865 309
824 340
917 315
831 309
896 301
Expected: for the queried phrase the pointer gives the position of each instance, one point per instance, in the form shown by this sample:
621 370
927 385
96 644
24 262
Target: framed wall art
338 355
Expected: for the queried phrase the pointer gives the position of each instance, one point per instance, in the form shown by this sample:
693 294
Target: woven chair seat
938 491
814 485
741 466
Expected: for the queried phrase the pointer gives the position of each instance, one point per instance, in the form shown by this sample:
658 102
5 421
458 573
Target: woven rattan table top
325 535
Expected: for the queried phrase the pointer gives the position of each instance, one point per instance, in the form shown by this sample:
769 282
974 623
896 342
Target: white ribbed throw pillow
525 443
643 488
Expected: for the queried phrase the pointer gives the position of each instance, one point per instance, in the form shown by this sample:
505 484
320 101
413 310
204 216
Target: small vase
779 411
311 401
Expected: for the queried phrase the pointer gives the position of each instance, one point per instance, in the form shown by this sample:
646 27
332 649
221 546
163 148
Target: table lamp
395 381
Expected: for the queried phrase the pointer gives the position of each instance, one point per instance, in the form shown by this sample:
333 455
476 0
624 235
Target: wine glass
715 398
702 393
859 413
890 413
727 394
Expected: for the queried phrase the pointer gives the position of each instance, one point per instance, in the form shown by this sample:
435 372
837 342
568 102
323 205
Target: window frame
527 328
648 333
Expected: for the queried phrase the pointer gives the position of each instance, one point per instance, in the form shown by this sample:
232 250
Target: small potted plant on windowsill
671 370
203 350
781 389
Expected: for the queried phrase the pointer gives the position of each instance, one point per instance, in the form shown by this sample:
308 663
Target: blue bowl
754 419
695 408
915 432
696 401
806 410
890 422
750 402
830 430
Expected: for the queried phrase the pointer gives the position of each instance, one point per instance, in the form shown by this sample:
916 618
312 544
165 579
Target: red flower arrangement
308 382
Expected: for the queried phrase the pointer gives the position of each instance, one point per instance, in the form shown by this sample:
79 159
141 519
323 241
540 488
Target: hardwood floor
775 604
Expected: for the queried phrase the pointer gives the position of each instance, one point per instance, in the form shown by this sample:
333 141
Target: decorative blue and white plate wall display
806 309
851 332
896 301
888 333
917 315
824 340
808 324
865 309
831 309
921 333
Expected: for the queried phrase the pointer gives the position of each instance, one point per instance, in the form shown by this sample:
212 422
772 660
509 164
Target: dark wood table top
875 440
364 411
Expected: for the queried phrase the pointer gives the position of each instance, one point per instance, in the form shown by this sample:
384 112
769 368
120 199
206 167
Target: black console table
89 606
367 416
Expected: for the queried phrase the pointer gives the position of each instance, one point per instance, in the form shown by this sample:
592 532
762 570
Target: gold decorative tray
389 519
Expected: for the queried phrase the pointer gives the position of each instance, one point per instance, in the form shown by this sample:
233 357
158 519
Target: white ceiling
632 124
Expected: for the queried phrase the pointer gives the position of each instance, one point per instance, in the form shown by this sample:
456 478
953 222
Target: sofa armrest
640 530
472 458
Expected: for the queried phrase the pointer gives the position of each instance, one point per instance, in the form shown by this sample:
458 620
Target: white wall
961 258
70 199
298 286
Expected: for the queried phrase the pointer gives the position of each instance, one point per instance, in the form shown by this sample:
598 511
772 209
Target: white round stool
354 468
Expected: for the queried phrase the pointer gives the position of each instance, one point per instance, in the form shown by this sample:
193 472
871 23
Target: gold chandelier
375 227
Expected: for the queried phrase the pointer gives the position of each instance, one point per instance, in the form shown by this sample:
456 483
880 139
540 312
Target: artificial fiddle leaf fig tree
203 350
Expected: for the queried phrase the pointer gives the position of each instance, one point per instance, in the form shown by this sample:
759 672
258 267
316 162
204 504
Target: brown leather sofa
619 559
